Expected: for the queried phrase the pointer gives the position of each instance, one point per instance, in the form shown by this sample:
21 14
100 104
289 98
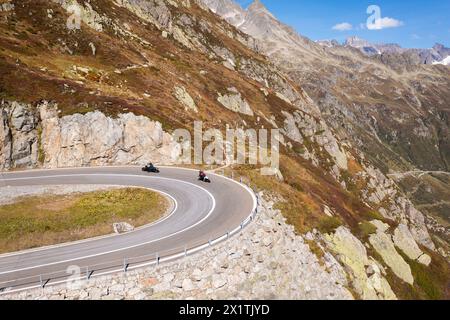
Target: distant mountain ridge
435 55
389 101
277 37
257 21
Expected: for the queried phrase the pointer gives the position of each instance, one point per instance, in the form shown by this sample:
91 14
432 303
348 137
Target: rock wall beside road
31 136
18 136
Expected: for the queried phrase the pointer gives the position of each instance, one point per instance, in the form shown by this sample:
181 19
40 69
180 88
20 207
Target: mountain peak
356 41
440 47
258 7
227 9
328 43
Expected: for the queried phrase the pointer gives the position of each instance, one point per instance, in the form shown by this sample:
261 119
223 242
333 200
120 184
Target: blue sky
413 24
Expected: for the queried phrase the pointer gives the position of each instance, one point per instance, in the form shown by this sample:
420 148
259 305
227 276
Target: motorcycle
150 169
204 179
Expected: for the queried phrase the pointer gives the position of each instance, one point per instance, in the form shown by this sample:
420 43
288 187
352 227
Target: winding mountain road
201 213
415 173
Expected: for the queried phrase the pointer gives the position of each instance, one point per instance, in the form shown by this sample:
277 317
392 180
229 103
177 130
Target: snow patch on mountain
445 62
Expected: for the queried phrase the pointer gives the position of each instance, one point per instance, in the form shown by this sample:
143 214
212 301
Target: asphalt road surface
201 213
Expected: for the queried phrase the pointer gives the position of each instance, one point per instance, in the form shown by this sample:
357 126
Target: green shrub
366 229
329 224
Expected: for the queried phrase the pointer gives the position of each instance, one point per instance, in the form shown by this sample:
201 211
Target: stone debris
122 227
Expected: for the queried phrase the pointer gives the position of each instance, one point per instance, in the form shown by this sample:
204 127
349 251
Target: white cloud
345 26
384 23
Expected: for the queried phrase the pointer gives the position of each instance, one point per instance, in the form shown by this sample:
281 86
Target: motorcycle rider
202 175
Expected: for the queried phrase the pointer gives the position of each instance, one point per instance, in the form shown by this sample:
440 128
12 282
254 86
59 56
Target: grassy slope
36 65
44 220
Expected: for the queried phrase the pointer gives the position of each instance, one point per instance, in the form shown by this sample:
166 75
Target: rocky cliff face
42 138
18 136
94 139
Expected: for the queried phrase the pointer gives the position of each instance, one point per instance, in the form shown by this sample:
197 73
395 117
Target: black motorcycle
150 169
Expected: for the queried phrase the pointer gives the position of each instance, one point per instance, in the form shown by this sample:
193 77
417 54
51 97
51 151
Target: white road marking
121 249
255 204
61 245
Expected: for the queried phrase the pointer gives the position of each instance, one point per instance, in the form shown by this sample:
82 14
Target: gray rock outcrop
234 102
18 136
35 135
404 240
300 126
185 99
365 272
382 192
6 7
383 244
94 139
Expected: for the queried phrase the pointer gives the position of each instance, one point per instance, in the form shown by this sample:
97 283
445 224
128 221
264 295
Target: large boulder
382 243
365 273
185 99
404 240
234 102
122 227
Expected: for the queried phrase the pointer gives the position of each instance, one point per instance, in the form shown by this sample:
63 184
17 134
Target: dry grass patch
45 220
303 194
